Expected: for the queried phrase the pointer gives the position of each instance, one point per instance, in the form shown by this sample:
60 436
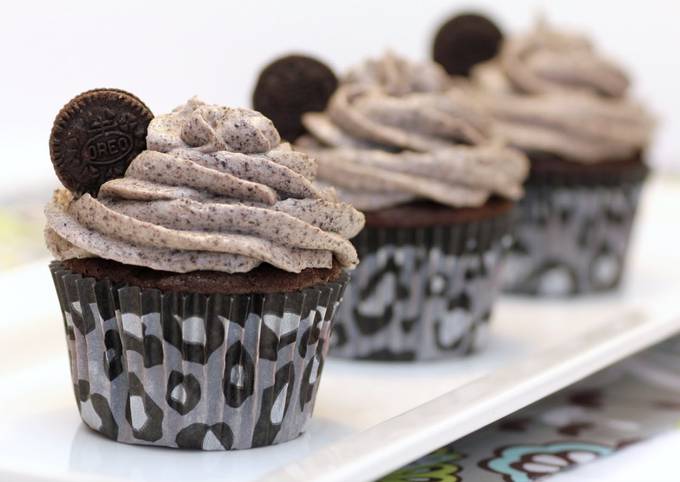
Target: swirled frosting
215 190
396 131
552 91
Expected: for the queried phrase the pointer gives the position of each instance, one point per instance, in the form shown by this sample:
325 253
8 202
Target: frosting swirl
547 61
215 190
397 76
552 91
396 131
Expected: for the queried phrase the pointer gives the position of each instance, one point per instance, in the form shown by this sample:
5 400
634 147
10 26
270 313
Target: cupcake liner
211 372
571 239
421 294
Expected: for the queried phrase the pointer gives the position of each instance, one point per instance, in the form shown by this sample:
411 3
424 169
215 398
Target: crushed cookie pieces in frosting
396 131
553 91
215 190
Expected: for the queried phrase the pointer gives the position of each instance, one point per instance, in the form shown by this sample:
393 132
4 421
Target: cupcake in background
198 271
555 97
400 142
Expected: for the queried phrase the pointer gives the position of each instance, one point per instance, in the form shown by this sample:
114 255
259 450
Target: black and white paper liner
421 294
210 372
571 239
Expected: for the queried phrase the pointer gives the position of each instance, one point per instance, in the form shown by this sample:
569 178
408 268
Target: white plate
370 417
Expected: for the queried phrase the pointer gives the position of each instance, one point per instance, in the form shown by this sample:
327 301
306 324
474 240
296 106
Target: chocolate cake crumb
263 279
420 214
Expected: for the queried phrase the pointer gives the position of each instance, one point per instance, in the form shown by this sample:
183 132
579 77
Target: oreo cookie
96 136
464 41
291 86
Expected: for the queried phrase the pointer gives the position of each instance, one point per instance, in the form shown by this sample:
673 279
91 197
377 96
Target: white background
168 51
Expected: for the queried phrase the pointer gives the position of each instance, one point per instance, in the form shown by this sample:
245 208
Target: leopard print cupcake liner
571 239
210 372
421 294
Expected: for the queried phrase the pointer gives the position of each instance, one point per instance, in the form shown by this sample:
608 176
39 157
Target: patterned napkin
627 403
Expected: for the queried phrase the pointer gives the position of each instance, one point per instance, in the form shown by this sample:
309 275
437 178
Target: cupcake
198 270
400 142
565 105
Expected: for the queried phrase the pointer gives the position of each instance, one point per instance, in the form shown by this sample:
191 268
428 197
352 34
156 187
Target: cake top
396 131
553 91
215 189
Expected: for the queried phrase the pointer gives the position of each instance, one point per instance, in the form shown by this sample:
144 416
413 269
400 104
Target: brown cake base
422 214
551 168
263 279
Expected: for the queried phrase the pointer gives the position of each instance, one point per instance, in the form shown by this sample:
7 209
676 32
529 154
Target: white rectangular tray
370 418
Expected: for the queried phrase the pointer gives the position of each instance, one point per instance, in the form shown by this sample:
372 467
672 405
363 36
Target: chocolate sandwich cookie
96 136
464 41
291 86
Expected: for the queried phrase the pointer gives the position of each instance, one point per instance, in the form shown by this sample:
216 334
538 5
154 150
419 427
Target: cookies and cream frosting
396 131
552 91
215 190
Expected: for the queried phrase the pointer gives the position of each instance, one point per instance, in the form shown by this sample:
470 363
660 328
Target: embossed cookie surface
290 87
96 136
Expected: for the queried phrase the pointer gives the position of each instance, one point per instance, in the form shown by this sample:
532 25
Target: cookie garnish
96 136
291 86
464 41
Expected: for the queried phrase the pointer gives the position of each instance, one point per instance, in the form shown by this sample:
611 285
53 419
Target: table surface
343 409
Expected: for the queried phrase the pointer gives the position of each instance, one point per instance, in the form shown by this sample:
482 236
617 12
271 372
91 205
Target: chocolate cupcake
402 142
556 98
197 290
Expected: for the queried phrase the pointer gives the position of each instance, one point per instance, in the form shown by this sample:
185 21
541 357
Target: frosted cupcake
199 287
413 152
564 104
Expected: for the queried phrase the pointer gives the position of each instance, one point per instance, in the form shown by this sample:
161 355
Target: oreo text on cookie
96 136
